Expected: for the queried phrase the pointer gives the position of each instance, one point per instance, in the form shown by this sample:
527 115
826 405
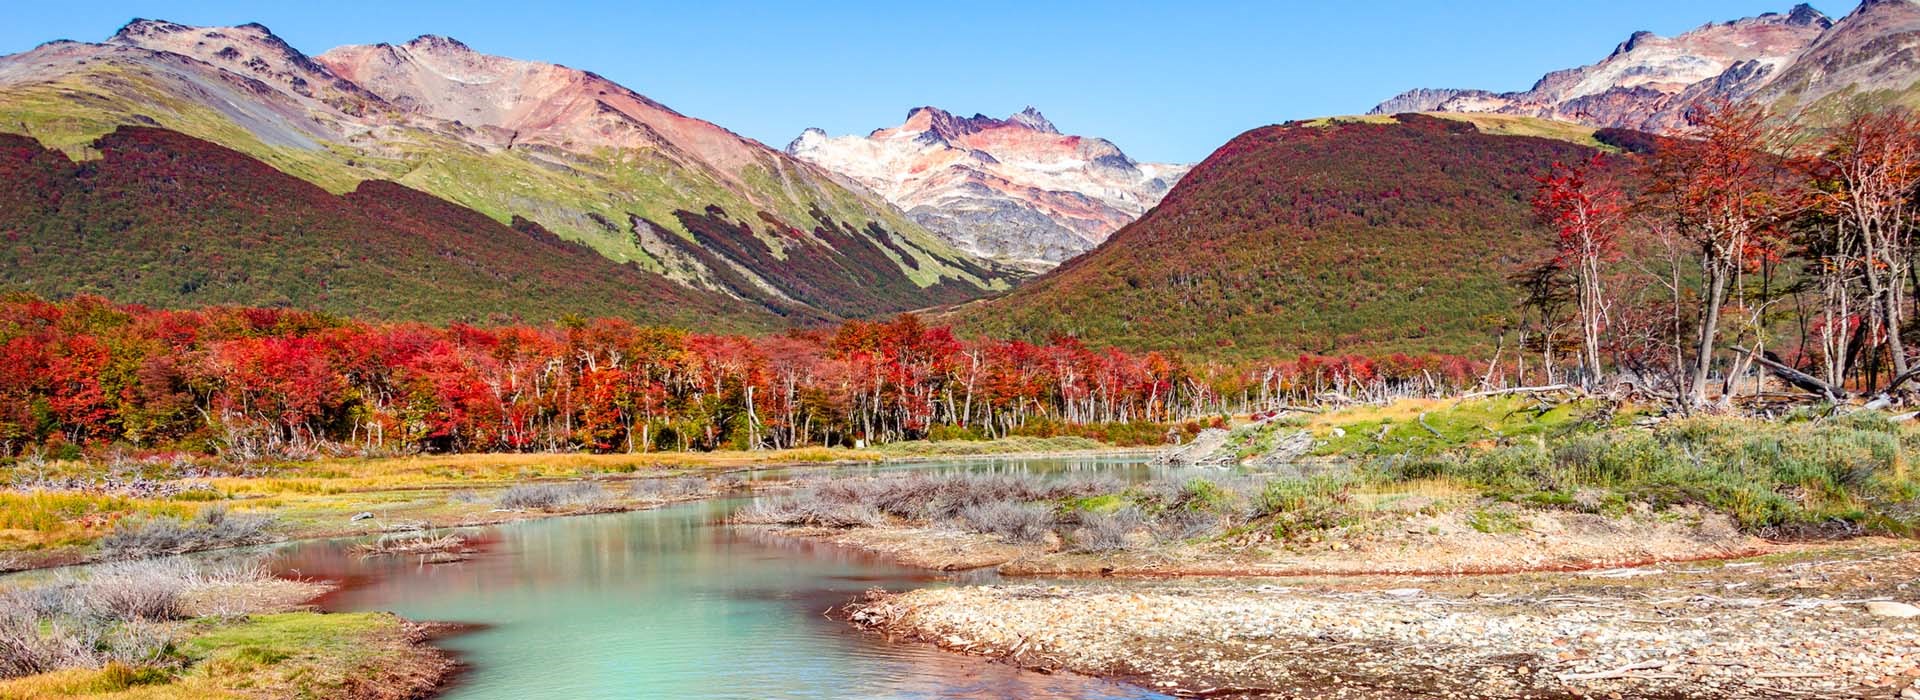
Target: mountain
1365 235
570 151
161 218
1014 189
1800 63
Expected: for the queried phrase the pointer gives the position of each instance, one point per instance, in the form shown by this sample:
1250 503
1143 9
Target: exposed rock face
512 102
1013 189
582 156
1800 62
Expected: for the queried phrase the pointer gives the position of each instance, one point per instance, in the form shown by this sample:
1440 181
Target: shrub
109 615
134 596
27 649
1108 532
1184 524
808 509
138 538
1015 522
548 496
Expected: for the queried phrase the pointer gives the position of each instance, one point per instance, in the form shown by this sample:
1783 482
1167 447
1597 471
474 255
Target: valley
434 367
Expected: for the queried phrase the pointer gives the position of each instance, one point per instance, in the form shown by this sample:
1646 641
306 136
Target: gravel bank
1795 626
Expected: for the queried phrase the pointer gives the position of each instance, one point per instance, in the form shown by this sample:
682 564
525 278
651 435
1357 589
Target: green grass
1458 424
291 655
1774 477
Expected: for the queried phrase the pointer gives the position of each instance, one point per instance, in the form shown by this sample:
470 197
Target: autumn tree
1872 167
1586 209
1725 192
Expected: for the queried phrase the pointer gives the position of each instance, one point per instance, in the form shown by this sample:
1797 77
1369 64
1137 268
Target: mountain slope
1868 59
583 157
1012 189
1367 235
1801 63
167 219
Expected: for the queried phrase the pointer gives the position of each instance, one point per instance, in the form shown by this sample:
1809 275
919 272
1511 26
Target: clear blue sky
1165 80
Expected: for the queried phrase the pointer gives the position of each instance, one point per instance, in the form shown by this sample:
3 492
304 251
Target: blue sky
1164 80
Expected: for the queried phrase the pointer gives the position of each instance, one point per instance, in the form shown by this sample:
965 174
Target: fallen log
1801 380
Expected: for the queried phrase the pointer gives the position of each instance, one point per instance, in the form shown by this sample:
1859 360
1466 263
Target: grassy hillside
592 197
166 219
1342 236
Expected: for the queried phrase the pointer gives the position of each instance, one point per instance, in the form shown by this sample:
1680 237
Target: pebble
1884 608
1551 637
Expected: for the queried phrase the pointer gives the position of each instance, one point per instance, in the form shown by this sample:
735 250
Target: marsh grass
111 615
1110 531
212 527
552 496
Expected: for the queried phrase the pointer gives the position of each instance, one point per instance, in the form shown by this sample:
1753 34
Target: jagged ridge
1800 62
1012 189
578 154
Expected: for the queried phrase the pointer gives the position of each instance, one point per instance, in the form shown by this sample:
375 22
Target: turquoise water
672 603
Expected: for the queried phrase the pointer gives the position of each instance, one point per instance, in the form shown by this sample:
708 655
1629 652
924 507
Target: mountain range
1015 189
1801 63
571 152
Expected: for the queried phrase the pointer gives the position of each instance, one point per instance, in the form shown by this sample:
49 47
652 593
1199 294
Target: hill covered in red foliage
1338 237
170 220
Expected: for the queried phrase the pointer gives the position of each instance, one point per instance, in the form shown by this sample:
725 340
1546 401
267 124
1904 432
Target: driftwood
1519 390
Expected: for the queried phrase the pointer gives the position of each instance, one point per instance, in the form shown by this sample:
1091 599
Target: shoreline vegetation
1503 546
177 628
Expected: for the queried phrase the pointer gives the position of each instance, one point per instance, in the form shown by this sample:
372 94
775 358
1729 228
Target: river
673 603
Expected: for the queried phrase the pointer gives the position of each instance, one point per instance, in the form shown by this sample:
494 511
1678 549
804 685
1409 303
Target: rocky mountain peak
1013 189
251 50
1633 42
1649 81
140 28
438 43
1803 15
1033 119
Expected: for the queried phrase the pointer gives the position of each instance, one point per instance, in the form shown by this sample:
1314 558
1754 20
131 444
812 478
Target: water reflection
670 603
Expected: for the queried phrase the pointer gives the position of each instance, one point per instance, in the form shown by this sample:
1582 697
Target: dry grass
1398 411
1496 124
38 519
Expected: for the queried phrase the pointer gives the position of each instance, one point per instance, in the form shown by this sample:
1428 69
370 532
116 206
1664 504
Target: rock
1911 693
363 515
1402 592
1887 608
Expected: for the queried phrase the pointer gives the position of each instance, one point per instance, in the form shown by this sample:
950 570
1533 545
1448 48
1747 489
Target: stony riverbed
1815 623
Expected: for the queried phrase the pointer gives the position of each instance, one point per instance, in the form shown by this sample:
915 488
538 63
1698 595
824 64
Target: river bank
176 628
1818 622
1450 541
1461 548
59 514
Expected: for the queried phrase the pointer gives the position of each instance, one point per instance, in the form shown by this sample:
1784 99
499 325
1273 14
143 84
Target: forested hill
170 220
1369 235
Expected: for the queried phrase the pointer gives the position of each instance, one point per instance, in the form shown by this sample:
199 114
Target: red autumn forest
250 382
